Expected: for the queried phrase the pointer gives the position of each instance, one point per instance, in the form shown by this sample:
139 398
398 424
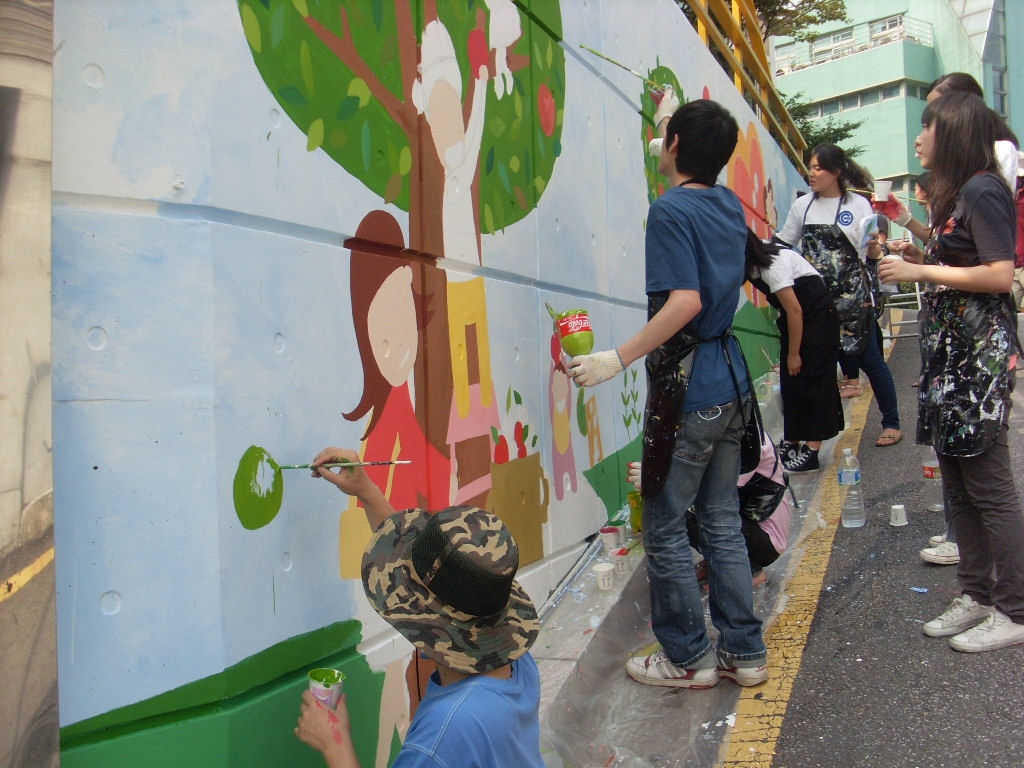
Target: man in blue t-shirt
446 582
698 399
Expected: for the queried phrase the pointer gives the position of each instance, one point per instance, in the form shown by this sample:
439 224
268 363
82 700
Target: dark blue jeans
704 470
879 375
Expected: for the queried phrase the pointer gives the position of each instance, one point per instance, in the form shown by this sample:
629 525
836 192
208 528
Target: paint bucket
326 684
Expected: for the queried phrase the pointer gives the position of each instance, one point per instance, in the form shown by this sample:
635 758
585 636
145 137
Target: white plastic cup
882 189
898 515
326 684
605 573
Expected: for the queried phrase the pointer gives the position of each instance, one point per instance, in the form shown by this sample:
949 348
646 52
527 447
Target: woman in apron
827 227
968 347
809 335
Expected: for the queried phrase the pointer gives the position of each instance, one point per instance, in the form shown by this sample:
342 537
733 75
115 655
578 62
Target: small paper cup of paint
605 573
620 559
326 684
609 537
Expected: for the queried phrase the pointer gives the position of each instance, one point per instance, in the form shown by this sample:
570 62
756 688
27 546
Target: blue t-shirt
478 722
696 240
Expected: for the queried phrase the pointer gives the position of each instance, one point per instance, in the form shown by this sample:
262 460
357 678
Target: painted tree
447 109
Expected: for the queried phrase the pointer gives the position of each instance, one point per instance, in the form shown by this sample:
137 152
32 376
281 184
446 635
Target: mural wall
285 224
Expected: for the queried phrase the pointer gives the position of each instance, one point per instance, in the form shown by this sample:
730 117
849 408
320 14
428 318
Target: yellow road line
761 709
25 575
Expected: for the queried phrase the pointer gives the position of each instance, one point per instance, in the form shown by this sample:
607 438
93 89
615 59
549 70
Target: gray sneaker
962 614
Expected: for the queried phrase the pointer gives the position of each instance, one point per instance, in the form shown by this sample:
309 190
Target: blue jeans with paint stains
705 467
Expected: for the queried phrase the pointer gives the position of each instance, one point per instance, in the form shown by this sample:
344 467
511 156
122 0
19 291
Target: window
880 28
891 91
850 102
830 107
869 97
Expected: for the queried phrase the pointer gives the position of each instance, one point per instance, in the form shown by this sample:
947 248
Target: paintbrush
344 464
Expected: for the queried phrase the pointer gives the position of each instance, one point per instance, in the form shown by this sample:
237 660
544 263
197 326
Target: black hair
961 82
707 134
924 181
834 160
759 253
963 146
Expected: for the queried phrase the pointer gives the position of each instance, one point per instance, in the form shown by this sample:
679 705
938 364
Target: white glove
667 107
633 473
588 370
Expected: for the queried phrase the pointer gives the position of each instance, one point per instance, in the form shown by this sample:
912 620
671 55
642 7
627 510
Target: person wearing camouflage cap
446 582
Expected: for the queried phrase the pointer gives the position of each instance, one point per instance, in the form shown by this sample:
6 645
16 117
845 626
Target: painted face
824 182
391 323
924 145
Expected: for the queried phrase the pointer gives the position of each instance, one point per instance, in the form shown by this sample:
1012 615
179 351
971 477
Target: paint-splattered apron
831 253
964 394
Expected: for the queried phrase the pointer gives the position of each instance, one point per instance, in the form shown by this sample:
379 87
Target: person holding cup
446 582
968 338
827 227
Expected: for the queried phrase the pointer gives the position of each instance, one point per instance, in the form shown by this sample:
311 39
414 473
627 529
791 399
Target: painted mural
282 224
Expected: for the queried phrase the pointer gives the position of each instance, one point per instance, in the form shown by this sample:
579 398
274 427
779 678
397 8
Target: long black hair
834 160
963 146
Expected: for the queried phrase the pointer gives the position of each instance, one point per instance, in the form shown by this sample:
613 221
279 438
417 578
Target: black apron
811 406
967 340
831 253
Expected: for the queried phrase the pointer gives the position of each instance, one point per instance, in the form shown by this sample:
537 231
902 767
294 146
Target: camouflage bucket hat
447 582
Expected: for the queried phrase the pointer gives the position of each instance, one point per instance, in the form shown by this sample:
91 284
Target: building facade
875 69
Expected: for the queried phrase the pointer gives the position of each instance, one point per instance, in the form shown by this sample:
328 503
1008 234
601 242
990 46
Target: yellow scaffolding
732 29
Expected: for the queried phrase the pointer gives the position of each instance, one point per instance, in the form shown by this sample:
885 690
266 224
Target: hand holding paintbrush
342 468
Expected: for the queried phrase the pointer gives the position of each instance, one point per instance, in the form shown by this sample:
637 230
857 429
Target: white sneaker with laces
997 631
946 553
657 669
962 614
937 539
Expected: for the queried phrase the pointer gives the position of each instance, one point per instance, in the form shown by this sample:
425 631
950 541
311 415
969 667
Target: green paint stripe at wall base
250 727
758 336
608 476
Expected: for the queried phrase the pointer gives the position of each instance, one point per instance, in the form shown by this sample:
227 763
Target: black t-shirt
982 226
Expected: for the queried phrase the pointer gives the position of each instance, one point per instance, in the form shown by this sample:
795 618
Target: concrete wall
233 184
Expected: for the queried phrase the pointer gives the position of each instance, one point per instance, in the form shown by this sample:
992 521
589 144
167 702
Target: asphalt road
872 689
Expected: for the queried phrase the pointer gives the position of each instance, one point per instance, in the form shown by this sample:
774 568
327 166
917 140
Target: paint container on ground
605 573
326 684
609 537
621 561
898 515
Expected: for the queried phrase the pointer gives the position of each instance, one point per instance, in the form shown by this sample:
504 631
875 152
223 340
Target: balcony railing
792 57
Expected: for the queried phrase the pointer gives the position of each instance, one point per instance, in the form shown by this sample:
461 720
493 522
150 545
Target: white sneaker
744 675
997 631
946 553
936 540
656 669
962 614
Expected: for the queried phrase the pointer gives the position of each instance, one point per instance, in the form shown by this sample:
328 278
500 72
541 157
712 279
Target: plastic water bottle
932 476
851 497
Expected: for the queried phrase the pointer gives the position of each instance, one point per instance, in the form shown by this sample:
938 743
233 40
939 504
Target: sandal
849 389
888 437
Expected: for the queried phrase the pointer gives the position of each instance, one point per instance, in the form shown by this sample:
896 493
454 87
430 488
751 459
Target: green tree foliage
343 71
816 130
797 18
